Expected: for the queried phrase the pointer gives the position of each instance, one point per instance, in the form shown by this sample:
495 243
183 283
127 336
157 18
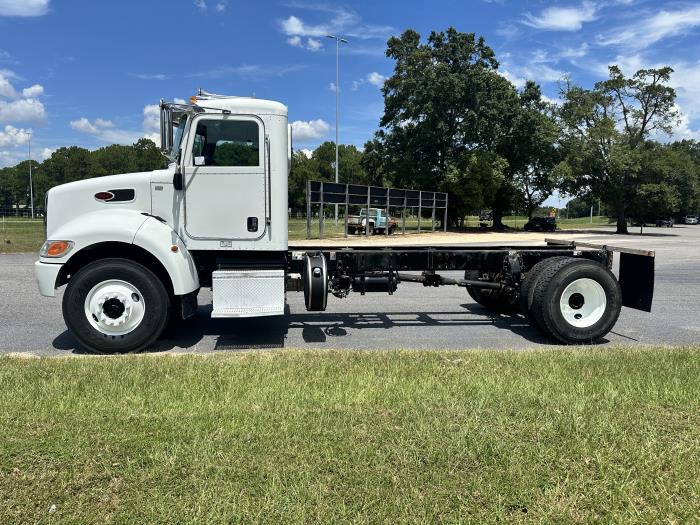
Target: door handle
252 224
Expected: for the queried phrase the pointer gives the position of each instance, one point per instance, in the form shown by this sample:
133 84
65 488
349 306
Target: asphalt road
414 317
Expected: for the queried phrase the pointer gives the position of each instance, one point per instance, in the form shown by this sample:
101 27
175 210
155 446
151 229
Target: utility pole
31 184
338 41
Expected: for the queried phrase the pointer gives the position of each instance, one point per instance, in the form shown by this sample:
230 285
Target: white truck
135 249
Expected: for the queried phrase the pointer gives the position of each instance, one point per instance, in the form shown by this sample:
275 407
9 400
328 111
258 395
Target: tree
445 109
605 129
531 148
73 163
682 163
321 166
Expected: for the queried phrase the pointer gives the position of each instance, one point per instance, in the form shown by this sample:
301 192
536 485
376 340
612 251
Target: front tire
115 306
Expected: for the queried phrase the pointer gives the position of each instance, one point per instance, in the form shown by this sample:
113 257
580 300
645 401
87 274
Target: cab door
225 178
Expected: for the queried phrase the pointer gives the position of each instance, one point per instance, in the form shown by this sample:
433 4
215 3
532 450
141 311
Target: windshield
177 138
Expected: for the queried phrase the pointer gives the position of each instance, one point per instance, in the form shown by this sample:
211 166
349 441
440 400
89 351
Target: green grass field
557 436
20 234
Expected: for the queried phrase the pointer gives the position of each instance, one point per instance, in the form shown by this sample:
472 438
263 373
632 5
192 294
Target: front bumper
46 276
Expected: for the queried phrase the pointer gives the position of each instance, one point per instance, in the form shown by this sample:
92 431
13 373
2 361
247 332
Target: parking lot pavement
414 317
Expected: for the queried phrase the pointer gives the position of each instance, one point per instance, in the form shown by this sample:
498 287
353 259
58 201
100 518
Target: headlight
55 248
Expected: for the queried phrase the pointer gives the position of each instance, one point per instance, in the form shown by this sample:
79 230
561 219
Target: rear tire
576 301
527 287
493 300
115 306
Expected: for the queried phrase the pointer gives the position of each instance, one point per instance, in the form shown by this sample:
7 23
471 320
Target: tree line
71 164
453 123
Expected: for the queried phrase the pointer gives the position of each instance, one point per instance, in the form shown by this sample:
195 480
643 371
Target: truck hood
130 191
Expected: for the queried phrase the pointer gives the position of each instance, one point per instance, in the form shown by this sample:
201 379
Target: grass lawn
21 234
556 436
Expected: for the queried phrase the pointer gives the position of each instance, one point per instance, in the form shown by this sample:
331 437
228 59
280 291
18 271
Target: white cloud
22 110
13 137
307 152
220 7
33 91
549 100
45 153
331 86
151 122
24 7
106 131
313 45
84 125
342 21
562 18
683 130
376 79
295 41
536 67
309 130
249 71
516 80
650 30
200 4
18 106
151 76
7 90
574 52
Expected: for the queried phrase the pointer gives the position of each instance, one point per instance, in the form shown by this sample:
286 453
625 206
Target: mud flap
637 281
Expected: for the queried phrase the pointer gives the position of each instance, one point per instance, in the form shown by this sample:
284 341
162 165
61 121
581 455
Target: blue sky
89 72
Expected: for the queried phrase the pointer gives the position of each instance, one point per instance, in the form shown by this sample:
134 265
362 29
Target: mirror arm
178 182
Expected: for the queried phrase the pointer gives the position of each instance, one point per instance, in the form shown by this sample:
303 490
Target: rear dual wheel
574 300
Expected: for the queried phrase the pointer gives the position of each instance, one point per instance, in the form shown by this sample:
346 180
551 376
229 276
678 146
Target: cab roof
241 105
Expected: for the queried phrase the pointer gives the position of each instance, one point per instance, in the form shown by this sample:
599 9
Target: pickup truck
377 222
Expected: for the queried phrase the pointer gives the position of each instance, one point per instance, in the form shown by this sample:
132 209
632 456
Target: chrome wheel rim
583 302
114 307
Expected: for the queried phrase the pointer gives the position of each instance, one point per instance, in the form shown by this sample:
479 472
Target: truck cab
215 216
377 219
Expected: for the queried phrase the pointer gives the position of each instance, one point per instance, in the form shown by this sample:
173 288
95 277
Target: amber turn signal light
55 248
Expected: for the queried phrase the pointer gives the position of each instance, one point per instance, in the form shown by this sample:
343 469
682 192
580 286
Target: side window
227 142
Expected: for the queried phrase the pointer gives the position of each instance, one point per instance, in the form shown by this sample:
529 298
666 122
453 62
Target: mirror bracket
178 182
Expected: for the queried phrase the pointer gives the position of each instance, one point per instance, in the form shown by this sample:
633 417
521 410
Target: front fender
131 227
96 227
158 239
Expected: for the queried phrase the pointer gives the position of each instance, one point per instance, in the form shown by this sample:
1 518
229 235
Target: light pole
31 184
338 41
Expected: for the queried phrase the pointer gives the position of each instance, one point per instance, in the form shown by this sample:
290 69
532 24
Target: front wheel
116 305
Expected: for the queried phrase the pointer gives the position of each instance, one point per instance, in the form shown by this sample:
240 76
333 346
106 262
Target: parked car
378 221
665 222
541 224
690 219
